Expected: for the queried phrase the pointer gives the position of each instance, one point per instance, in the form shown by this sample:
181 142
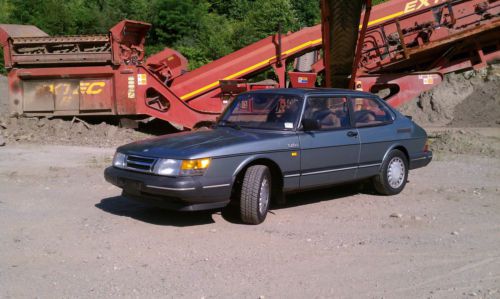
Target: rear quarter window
370 112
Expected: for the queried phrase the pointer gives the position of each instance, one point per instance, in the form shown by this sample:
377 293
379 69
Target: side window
369 112
332 113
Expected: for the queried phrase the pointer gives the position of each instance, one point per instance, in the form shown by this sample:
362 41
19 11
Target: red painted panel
38 95
302 80
96 94
125 90
67 94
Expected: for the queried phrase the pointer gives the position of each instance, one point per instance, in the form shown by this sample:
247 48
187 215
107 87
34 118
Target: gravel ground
65 233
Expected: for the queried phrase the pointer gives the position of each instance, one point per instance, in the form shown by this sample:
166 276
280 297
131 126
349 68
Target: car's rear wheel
255 194
393 174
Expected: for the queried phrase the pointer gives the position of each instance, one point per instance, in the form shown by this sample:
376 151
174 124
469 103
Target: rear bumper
421 160
181 194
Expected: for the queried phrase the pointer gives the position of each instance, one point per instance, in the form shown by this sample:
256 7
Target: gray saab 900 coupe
271 142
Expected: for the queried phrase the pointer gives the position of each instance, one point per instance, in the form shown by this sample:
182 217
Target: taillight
426 146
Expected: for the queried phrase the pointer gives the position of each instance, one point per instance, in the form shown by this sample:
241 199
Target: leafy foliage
307 12
203 30
263 20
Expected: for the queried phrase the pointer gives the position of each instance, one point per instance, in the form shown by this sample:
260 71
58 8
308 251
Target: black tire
255 194
392 178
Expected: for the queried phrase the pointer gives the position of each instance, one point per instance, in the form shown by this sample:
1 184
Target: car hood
222 141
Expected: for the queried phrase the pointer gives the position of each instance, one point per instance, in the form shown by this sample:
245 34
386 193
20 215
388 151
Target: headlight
119 160
170 167
167 167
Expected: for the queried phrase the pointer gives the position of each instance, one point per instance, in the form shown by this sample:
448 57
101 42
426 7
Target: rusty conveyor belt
31 46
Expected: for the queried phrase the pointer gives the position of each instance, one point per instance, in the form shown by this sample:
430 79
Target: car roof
313 91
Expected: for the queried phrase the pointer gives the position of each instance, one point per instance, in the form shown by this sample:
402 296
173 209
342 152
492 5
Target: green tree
263 19
216 35
189 27
113 11
232 9
212 41
87 17
5 11
177 20
308 12
22 11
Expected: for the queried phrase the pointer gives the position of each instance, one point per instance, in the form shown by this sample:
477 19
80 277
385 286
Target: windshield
263 111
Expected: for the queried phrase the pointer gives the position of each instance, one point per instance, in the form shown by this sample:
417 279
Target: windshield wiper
228 123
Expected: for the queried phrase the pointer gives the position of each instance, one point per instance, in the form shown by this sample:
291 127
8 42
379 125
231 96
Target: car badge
146 150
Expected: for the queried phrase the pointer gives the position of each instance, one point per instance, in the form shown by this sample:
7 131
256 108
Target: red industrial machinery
408 46
404 47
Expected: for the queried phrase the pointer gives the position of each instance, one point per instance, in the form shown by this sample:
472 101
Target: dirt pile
474 141
481 108
468 99
66 132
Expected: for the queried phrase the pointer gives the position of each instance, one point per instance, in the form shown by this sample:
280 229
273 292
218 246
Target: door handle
352 133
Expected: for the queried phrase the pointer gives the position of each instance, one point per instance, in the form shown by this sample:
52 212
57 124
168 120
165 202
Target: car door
328 155
373 121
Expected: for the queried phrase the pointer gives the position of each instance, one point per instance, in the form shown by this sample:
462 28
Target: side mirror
309 124
409 117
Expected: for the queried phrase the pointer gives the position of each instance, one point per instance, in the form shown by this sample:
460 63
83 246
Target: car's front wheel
393 174
255 194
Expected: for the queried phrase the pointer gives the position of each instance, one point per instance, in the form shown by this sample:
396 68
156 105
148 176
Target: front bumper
421 160
181 194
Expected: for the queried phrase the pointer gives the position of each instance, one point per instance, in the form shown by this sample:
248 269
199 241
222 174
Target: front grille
142 164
